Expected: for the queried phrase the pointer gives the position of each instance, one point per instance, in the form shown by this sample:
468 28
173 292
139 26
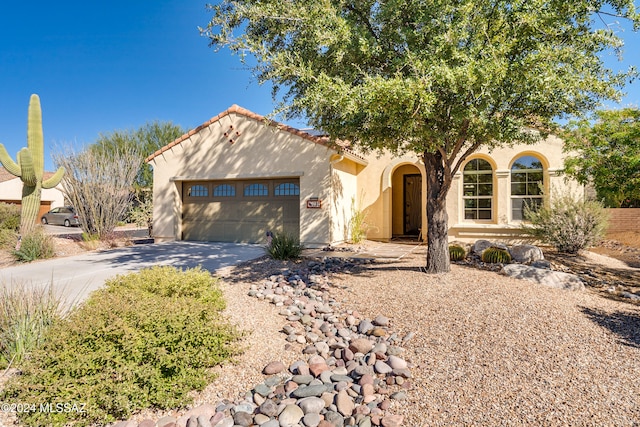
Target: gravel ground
491 350
488 350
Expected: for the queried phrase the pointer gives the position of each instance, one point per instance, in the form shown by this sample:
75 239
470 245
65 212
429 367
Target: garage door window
224 190
287 189
198 191
253 190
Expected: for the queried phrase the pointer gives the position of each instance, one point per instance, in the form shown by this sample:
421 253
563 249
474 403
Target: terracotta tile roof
235 109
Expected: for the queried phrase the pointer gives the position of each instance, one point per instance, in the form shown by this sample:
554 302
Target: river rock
290 416
274 368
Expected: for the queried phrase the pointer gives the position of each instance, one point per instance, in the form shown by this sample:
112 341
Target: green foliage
495 255
146 140
30 167
357 224
137 343
567 223
25 314
99 185
284 246
35 245
457 253
142 213
607 155
439 79
9 216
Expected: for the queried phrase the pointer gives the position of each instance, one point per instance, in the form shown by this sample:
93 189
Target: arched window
256 190
198 191
224 190
287 189
478 190
527 183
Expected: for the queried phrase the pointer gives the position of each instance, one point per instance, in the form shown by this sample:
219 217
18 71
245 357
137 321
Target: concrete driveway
76 276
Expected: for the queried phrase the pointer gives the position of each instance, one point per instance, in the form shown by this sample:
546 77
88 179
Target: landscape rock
526 254
553 279
274 368
290 416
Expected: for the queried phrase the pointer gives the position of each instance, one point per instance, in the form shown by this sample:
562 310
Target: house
240 175
11 192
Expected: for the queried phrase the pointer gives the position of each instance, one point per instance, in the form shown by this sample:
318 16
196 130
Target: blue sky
105 66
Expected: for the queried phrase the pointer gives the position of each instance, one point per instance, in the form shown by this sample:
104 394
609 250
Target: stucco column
502 197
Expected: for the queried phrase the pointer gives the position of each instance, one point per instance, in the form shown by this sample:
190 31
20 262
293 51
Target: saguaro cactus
30 168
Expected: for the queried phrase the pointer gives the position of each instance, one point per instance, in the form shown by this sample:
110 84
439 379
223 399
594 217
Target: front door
412 194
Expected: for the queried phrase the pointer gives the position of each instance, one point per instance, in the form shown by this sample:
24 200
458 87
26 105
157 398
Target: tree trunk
438 184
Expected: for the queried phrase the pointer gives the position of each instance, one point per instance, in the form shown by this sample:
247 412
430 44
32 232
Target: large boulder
526 254
553 279
480 245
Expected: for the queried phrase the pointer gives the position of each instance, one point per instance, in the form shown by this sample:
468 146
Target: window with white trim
478 190
527 183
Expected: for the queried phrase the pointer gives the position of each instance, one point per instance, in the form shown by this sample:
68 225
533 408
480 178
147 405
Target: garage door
240 211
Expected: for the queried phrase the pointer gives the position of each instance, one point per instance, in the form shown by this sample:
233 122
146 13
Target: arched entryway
406 204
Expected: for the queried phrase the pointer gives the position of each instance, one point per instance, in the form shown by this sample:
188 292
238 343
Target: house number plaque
314 203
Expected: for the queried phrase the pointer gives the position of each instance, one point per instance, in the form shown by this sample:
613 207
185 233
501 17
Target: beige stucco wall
259 151
344 191
12 190
382 178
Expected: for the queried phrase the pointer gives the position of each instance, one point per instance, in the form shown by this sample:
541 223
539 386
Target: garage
240 210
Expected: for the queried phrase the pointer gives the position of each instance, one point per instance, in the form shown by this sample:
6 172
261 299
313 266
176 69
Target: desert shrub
567 223
357 224
35 245
25 314
130 346
284 246
457 253
8 239
9 216
495 255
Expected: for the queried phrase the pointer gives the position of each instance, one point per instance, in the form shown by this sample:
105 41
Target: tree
146 140
437 78
99 185
607 155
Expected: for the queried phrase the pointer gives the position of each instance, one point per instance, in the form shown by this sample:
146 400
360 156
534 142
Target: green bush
35 245
25 314
9 216
134 344
567 223
284 246
457 253
357 224
495 255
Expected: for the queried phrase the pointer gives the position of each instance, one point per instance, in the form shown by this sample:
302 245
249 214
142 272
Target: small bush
8 239
132 345
357 224
284 246
568 224
457 253
9 216
35 245
25 314
495 255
